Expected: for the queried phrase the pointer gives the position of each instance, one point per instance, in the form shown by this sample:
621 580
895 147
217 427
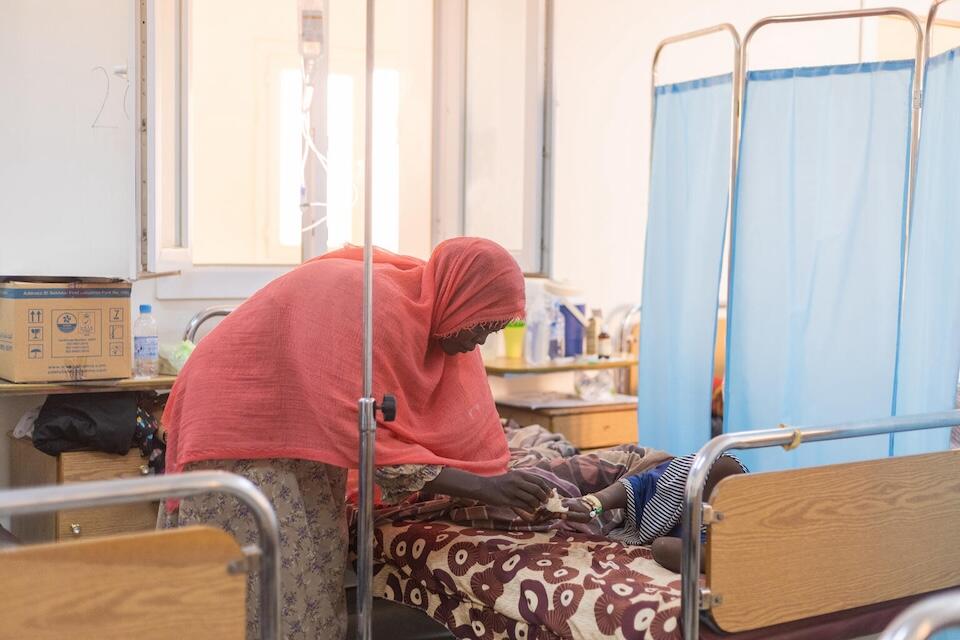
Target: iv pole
367 404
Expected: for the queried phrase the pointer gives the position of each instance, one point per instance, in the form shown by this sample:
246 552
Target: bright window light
386 159
340 184
344 186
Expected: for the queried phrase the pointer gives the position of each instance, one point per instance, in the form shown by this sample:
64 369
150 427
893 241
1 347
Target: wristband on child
592 501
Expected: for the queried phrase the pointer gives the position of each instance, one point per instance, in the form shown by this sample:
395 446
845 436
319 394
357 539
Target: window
502 86
228 145
226 152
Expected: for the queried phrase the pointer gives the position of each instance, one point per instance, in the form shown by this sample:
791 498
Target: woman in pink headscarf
272 394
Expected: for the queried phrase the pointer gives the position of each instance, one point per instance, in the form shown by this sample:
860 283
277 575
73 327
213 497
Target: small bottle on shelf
604 345
593 333
146 353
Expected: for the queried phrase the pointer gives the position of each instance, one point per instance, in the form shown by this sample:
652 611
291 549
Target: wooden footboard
159 585
790 545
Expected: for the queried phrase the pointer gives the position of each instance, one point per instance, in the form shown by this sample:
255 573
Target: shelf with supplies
158 383
508 367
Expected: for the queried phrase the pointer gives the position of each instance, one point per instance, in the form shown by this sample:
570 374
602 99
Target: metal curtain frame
182 485
923 619
916 108
735 104
692 599
927 37
931 23
693 515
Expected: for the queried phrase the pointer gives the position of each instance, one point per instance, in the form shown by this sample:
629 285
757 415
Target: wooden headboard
796 544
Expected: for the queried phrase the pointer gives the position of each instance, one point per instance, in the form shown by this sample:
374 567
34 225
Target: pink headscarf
280 376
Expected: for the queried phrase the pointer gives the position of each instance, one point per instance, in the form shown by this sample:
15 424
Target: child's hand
577 511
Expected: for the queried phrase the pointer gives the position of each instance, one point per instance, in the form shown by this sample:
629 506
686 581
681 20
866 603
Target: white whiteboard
68 196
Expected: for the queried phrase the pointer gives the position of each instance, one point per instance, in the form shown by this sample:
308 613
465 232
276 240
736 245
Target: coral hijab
280 376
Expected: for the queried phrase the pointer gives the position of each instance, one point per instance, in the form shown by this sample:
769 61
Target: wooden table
158 383
508 367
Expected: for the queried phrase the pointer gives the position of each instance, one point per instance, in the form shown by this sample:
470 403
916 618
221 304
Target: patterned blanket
551 457
485 584
485 573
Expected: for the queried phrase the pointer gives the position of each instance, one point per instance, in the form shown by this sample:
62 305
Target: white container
146 351
557 331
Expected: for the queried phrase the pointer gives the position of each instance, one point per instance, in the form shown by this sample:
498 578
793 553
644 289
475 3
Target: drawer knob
75 528
144 470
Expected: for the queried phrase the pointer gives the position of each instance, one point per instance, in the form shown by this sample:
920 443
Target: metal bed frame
113 492
923 619
190 333
693 598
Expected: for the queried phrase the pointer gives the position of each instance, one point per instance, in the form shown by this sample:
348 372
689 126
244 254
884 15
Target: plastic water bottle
146 352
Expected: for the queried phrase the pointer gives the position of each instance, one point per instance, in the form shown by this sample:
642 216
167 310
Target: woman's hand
577 510
515 489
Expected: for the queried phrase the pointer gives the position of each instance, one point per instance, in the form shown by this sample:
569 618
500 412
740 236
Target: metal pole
546 149
180 485
923 619
366 404
690 604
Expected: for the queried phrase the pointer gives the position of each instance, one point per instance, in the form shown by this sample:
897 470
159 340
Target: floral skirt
309 500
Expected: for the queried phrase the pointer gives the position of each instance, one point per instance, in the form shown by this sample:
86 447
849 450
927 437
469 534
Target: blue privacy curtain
930 333
684 247
817 255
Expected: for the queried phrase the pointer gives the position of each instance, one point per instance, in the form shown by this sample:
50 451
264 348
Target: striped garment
653 516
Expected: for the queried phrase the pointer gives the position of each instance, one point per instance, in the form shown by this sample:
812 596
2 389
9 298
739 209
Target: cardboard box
54 332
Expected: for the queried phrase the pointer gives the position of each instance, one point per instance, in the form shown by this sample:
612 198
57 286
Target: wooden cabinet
31 467
591 427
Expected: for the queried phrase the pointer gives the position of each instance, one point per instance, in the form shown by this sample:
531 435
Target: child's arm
613 497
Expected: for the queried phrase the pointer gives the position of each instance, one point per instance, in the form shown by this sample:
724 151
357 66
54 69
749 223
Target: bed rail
190 333
692 598
111 492
923 619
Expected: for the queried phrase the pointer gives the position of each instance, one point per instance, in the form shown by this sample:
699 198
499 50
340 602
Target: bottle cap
145 308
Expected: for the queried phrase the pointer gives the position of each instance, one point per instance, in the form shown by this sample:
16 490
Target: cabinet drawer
84 466
75 524
595 430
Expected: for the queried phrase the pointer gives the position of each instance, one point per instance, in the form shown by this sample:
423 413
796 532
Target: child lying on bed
654 504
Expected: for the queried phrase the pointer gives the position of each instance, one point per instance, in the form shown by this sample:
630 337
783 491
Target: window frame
183 279
450 130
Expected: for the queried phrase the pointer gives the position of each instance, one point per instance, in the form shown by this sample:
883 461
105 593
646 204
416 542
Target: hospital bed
824 552
161 585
